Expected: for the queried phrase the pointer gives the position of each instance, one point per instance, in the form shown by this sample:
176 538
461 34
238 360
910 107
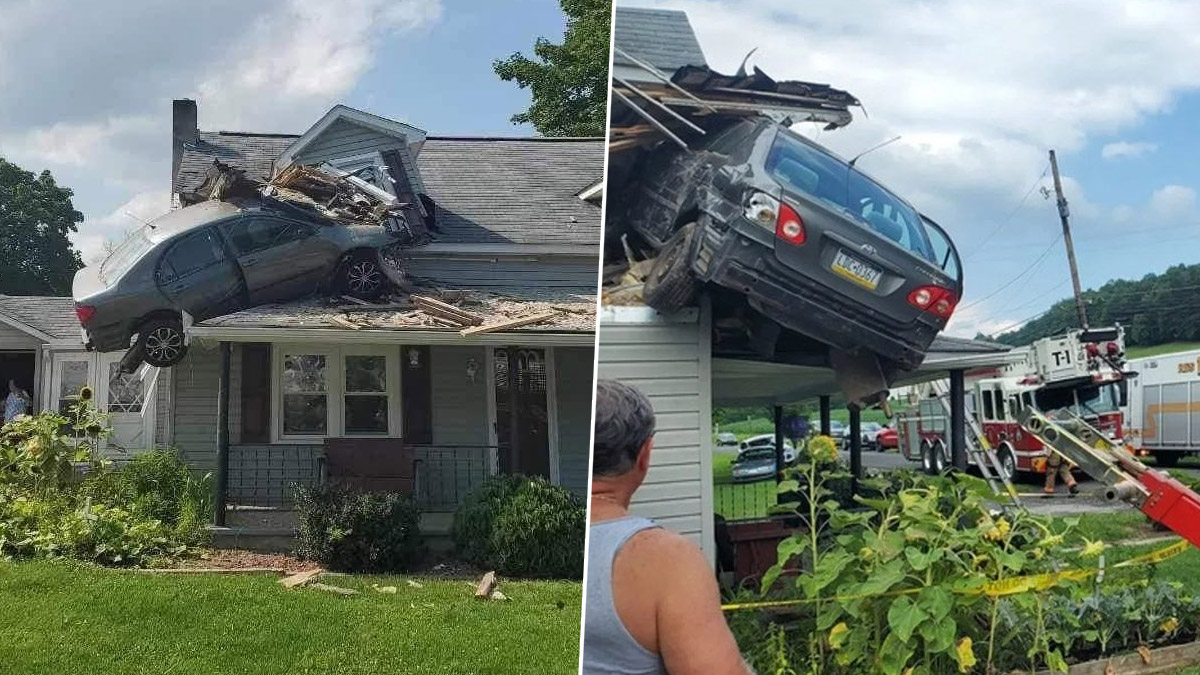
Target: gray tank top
607 645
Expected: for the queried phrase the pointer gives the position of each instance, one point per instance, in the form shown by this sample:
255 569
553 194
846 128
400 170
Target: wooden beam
446 311
526 320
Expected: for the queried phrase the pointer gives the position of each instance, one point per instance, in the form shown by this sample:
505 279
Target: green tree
36 217
569 81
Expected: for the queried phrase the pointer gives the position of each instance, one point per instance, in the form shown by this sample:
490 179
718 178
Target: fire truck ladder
1162 498
979 448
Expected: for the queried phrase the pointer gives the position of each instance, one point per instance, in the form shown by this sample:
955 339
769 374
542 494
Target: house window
305 397
336 391
124 391
74 377
366 395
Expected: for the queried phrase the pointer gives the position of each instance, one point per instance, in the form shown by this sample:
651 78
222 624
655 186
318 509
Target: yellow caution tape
994 589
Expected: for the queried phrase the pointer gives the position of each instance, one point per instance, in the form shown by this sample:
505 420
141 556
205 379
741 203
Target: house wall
573 366
481 271
347 139
460 457
11 338
670 360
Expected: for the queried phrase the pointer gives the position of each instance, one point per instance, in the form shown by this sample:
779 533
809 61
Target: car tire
670 285
362 277
161 342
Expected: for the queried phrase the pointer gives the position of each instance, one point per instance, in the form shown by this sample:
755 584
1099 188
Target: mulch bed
440 567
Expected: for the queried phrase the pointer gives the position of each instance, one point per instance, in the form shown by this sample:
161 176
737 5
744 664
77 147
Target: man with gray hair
652 600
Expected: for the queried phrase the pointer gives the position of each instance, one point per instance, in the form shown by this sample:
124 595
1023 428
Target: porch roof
315 318
46 317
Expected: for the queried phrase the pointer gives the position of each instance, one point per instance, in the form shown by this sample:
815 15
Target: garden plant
929 576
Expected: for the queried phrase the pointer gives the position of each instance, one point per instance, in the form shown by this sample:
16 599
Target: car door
198 277
280 259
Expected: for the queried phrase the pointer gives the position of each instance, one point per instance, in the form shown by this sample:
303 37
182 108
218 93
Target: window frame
335 390
215 237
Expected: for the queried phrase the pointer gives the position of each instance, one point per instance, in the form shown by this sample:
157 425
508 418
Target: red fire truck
1081 371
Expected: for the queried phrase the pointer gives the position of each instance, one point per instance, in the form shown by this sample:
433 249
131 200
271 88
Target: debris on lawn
383 589
486 586
332 589
415 584
300 578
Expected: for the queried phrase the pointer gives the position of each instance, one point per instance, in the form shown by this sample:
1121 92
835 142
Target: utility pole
1064 215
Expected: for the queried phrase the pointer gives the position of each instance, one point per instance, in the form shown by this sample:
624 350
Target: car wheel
363 278
670 285
161 342
926 458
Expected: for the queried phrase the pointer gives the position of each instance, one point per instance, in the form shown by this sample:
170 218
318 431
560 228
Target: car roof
188 218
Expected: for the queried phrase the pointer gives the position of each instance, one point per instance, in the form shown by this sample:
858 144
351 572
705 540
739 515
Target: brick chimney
183 130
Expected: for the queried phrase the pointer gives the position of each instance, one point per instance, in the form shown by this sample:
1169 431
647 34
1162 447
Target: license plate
862 273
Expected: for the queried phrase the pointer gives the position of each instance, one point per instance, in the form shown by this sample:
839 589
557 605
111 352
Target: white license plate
862 273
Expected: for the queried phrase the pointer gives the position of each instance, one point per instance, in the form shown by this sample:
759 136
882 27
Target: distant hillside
1156 309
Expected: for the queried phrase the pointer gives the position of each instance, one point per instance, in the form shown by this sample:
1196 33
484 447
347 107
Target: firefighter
1056 465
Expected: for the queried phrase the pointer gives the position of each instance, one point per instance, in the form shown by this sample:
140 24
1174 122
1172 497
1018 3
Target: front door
522 413
131 414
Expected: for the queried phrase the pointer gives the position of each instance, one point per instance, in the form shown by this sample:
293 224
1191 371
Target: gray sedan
212 259
754 465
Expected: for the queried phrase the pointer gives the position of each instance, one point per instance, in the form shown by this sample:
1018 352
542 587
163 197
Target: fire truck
1164 399
1081 371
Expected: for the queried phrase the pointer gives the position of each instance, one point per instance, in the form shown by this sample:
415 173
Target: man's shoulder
663 544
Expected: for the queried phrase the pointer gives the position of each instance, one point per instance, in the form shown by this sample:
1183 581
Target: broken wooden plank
354 301
445 311
526 320
623 144
345 323
390 307
333 589
487 584
300 578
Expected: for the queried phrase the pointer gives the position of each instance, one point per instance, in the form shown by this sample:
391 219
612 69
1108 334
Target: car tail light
85 313
789 227
933 299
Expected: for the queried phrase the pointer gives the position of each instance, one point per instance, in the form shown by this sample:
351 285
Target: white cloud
971 320
1173 204
1126 149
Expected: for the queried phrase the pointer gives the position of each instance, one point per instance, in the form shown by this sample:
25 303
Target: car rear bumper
109 338
744 264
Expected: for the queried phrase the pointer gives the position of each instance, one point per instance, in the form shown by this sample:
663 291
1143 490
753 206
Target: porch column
221 484
779 443
958 420
825 426
855 431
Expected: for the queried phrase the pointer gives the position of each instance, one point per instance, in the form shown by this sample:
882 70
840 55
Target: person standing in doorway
16 403
653 605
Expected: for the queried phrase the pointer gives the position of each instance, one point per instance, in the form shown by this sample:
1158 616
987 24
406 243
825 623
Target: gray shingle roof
946 343
494 190
50 315
488 190
252 153
664 37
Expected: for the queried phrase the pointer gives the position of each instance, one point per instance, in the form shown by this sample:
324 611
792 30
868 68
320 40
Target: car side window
250 235
943 249
191 254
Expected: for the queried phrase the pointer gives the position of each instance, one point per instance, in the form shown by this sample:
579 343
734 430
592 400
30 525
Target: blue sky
979 91
94 106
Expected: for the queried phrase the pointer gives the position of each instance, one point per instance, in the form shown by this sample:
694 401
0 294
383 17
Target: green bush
157 485
540 533
475 519
356 531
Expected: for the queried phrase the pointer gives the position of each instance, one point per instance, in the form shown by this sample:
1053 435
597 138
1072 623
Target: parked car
812 242
215 258
753 465
869 431
837 430
726 439
768 441
887 439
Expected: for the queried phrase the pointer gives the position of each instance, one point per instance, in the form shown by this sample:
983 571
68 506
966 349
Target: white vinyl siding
344 139
573 376
16 339
669 360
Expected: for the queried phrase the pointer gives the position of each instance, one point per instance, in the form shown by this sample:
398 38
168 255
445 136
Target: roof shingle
52 316
663 37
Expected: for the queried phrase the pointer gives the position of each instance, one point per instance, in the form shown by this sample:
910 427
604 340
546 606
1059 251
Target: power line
1020 274
1003 223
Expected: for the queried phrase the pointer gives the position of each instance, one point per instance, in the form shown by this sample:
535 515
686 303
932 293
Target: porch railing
265 475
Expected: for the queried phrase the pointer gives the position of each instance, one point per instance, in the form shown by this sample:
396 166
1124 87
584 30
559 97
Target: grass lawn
62 618
1168 348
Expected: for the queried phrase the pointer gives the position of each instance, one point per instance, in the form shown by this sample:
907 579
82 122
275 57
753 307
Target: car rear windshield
134 247
806 168
758 454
